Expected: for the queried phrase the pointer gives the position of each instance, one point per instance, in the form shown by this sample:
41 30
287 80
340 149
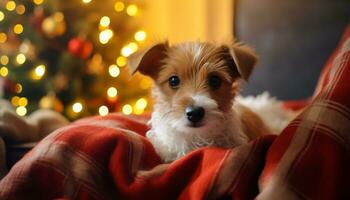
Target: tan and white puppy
194 91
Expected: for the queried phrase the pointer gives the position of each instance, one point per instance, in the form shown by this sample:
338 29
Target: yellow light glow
105 21
2 16
14 100
121 61
23 101
112 92
18 29
10 5
19 88
132 10
140 36
38 2
103 110
133 46
20 58
145 83
46 102
4 71
114 71
119 6
127 109
141 103
39 72
58 17
21 9
4 60
105 36
3 37
77 107
21 110
126 51
86 1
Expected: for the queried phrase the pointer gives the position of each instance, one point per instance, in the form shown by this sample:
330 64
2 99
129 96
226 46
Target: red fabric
109 158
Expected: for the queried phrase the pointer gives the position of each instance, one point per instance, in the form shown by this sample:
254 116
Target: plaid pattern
109 158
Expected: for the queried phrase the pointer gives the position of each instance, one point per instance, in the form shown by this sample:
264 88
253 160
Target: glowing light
18 29
21 9
105 36
132 10
58 16
112 92
145 83
2 16
129 49
20 58
140 36
39 72
86 1
14 101
4 60
114 71
4 71
103 110
38 2
133 46
23 102
121 61
141 103
3 37
127 109
77 107
119 6
19 88
105 21
10 5
21 111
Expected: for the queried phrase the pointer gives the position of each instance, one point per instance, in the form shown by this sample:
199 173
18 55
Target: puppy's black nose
194 113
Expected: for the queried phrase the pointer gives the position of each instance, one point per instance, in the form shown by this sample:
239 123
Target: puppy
194 91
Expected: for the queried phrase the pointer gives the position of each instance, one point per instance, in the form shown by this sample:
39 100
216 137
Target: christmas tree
70 56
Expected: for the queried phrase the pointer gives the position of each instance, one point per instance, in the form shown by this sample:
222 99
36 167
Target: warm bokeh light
103 110
145 83
134 47
2 16
3 37
39 72
114 71
23 102
77 107
20 59
18 29
112 92
21 111
4 71
140 106
127 109
140 36
119 6
105 21
21 9
121 61
4 60
105 36
132 10
86 1
10 5
19 88
15 100
38 2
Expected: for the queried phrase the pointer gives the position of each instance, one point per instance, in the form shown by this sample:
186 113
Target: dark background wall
293 39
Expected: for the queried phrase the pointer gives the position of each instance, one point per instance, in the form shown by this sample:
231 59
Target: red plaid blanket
109 157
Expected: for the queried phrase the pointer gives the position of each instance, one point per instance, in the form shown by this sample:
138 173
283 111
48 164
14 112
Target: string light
127 109
18 29
77 107
4 60
119 6
105 36
140 36
3 37
112 92
38 2
20 58
103 110
4 71
10 5
114 71
39 72
2 16
23 102
105 21
86 1
132 10
121 61
21 9
21 111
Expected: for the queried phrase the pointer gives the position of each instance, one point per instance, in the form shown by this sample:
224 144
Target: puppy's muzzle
195 114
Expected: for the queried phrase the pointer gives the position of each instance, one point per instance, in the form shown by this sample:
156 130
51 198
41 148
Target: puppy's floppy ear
244 59
148 61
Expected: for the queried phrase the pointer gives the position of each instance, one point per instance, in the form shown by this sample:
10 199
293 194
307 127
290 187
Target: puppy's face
195 83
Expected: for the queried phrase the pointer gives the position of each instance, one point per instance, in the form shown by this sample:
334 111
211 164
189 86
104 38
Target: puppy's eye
214 82
174 82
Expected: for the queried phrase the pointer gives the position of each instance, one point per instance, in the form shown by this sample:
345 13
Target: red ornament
80 47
